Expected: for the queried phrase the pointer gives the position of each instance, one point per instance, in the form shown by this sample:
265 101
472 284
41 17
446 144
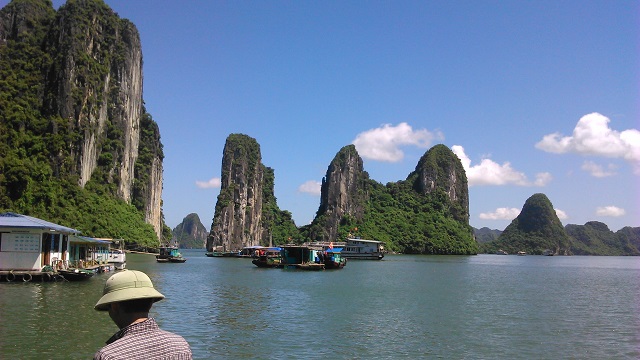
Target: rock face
89 86
96 78
536 229
343 192
428 213
236 222
190 233
440 168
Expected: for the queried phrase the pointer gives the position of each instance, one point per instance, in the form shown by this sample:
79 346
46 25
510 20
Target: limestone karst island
80 152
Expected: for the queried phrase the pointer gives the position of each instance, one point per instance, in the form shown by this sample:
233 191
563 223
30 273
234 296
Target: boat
300 257
332 259
268 258
522 253
501 252
548 252
249 251
117 258
361 249
76 274
170 254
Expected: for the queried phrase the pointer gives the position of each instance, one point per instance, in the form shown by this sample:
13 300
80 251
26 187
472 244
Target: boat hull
363 256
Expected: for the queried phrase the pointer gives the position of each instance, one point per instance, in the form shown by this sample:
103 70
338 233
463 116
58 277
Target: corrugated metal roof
86 239
13 220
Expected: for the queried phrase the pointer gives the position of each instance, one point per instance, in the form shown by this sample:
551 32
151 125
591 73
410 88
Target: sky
533 97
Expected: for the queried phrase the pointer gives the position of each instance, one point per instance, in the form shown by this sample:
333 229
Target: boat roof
13 220
90 240
334 250
363 240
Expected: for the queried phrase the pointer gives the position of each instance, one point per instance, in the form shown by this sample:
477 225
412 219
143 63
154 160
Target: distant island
538 228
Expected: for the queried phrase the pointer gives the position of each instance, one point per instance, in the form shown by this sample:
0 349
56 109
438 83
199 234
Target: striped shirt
144 340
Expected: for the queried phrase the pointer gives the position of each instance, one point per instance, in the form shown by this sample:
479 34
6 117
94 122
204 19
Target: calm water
476 307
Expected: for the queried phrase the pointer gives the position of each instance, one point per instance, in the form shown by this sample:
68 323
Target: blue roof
335 250
13 220
86 239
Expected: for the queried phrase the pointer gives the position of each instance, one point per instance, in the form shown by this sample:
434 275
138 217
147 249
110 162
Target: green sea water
405 306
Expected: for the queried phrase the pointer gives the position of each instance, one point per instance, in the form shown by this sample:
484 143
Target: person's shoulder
172 336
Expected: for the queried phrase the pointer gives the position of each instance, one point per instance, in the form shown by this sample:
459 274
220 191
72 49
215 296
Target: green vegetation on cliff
408 216
278 224
39 149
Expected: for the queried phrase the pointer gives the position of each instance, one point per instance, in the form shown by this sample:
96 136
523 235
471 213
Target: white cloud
488 172
512 213
611 211
383 143
561 214
310 187
597 170
210 184
501 214
592 136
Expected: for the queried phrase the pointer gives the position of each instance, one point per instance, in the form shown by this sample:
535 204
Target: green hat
127 285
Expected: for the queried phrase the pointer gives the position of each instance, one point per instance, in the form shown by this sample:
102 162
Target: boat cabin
356 248
29 244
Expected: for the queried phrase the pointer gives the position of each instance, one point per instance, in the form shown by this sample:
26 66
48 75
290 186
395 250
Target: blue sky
533 96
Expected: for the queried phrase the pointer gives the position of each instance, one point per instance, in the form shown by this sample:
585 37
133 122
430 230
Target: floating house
32 247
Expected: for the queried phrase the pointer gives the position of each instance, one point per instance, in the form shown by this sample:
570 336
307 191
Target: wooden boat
76 274
170 254
332 259
361 249
300 257
268 258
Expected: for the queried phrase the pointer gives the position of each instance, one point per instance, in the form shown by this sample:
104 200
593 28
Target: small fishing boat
332 259
300 257
170 254
76 274
267 258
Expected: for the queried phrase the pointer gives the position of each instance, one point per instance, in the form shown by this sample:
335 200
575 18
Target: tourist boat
361 249
268 258
170 254
76 274
522 253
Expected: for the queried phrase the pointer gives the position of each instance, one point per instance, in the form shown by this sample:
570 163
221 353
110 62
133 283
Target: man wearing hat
128 296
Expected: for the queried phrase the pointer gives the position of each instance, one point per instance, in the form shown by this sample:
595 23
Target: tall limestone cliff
536 229
246 212
439 168
236 222
344 193
77 75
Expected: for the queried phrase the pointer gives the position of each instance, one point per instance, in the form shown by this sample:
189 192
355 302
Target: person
128 297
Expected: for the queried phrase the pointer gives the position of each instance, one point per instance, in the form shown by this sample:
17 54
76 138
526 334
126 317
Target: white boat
117 258
362 249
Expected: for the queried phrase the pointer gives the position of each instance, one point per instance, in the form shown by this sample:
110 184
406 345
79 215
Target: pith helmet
127 285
